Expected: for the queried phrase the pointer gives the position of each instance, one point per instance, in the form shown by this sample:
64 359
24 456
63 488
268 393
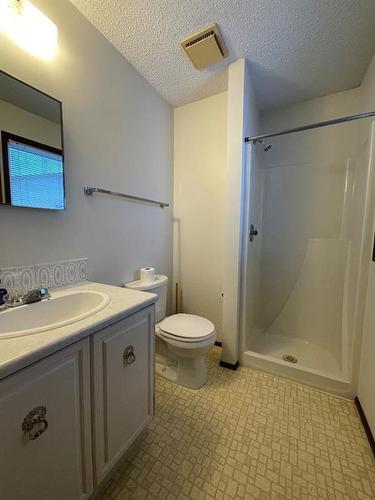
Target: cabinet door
45 429
123 386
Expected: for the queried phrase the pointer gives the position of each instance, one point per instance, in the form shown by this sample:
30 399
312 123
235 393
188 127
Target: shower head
266 147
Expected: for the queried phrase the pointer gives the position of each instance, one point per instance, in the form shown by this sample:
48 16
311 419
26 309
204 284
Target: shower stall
306 248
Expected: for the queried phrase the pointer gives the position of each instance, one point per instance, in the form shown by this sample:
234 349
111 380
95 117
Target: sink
63 308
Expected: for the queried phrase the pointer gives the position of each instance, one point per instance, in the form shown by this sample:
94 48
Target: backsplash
51 275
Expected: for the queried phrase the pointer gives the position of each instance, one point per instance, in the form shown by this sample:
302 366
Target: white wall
359 219
251 273
241 122
200 143
253 182
118 135
367 371
366 384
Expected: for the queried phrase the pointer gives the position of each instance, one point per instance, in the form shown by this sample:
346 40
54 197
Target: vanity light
29 28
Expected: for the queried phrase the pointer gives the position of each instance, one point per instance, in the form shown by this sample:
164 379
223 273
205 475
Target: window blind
36 177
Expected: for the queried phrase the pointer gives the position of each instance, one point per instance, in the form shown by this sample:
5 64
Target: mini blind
36 177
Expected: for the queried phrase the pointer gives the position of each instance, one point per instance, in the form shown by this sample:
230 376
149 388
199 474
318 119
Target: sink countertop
19 352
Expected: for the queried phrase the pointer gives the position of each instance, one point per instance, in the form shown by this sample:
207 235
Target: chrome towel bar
91 190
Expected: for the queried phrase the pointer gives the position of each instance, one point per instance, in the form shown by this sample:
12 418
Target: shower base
314 366
307 354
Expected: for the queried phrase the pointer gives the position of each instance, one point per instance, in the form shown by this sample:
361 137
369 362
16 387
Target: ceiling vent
205 47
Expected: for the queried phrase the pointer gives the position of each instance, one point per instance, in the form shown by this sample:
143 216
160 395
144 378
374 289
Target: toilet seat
186 328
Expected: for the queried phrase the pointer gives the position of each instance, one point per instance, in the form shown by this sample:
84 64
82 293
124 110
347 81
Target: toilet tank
158 285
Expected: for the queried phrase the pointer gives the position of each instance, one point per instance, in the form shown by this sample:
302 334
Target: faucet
36 295
3 294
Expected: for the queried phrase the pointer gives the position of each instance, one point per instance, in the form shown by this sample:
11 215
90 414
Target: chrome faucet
3 294
36 295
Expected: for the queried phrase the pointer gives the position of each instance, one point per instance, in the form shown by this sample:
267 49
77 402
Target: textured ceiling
298 49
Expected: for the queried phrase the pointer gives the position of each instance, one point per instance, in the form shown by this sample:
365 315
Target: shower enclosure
306 251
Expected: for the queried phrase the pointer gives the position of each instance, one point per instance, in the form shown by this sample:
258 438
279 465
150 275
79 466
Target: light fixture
29 28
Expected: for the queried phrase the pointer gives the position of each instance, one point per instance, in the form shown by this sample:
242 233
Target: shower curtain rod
343 119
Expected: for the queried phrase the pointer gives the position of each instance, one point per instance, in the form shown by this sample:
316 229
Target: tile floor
247 435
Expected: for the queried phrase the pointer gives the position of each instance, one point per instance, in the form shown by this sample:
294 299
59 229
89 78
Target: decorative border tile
52 275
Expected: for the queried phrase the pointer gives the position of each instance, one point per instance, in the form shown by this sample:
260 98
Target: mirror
31 159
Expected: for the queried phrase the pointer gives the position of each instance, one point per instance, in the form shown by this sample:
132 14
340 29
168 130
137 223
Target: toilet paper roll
147 274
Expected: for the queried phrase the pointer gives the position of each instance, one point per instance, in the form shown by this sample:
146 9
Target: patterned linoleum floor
247 435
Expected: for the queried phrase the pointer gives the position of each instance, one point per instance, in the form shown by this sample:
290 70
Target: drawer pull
129 355
35 422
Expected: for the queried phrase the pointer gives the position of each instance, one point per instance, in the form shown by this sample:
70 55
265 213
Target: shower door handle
252 233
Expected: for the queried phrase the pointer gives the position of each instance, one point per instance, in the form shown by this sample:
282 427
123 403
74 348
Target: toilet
182 340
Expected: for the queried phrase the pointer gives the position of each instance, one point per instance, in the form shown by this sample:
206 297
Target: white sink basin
61 309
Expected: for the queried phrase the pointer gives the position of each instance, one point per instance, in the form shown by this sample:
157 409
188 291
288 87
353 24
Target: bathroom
267 391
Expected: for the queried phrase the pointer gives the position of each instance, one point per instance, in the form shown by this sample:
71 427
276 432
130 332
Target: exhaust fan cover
205 47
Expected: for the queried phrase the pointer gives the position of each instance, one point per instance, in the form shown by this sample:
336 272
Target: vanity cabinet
66 420
45 450
123 386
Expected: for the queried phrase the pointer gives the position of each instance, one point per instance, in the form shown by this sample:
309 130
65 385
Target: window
35 172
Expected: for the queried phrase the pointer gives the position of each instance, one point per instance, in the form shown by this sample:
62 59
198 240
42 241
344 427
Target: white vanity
73 397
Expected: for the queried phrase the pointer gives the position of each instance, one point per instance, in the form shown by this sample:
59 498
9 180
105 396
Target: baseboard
218 343
369 435
230 366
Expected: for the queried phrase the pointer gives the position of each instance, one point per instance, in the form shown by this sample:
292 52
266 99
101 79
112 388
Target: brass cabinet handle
129 355
35 422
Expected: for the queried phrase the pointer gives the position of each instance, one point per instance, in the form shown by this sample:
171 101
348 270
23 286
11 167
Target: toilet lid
187 326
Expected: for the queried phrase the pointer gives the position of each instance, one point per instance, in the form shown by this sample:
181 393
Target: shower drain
290 358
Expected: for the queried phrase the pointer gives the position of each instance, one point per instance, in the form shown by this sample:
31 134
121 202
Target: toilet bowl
189 338
182 340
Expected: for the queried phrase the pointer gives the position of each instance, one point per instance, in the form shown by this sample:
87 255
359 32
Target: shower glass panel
309 197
